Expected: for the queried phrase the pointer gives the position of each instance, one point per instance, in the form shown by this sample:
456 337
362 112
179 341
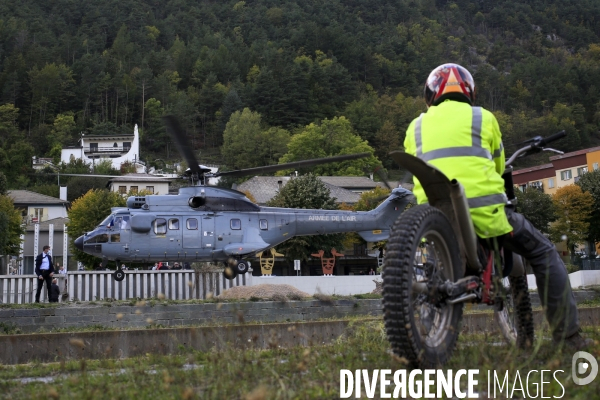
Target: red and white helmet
449 81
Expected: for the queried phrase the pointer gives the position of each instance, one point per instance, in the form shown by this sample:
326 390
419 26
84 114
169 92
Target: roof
90 136
59 223
574 153
531 169
139 178
350 182
264 188
26 197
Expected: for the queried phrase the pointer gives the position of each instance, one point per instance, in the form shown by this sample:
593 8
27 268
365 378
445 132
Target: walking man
44 269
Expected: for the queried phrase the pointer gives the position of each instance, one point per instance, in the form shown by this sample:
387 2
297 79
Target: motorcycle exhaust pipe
467 231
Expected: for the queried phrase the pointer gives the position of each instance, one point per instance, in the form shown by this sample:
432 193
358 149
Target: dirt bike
435 263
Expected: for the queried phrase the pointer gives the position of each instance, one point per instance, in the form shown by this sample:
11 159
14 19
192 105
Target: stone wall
51 318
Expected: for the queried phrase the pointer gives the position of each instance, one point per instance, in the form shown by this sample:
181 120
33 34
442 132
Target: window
522 187
536 185
94 147
192 223
595 166
550 183
582 170
264 225
565 175
236 224
123 189
115 144
134 189
125 222
126 146
38 214
150 189
174 224
160 226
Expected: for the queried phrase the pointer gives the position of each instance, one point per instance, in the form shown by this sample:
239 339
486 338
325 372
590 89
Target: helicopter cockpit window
173 224
116 223
160 226
125 222
107 221
192 223
101 238
264 225
236 224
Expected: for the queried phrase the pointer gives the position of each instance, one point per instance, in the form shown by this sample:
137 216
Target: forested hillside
71 66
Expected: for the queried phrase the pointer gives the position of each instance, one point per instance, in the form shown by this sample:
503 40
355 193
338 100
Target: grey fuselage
214 224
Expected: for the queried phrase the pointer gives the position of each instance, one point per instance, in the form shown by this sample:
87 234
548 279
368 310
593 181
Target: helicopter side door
208 232
119 235
191 232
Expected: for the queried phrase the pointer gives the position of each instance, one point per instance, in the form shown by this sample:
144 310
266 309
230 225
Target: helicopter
213 224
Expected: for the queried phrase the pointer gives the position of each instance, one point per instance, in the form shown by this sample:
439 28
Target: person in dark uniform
44 269
54 291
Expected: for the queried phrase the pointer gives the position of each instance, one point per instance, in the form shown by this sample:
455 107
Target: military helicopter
205 223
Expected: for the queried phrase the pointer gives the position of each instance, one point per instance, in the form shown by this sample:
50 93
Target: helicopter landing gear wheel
229 273
421 253
119 275
242 266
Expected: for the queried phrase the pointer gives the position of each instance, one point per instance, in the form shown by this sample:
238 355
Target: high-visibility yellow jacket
464 143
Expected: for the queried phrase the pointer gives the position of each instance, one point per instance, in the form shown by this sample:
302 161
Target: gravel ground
264 291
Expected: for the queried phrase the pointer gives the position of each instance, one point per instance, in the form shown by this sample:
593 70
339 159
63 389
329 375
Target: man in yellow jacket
465 143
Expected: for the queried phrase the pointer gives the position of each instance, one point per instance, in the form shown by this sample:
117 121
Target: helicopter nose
79 243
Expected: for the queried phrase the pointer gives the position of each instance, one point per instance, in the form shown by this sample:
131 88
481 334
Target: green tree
537 207
590 183
62 129
331 138
86 213
11 228
247 145
309 192
573 209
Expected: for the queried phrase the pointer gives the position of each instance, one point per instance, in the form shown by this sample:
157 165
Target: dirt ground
264 291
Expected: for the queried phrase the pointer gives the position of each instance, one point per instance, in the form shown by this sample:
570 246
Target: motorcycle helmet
449 81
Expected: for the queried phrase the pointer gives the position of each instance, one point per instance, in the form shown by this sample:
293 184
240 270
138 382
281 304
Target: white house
116 148
138 182
35 207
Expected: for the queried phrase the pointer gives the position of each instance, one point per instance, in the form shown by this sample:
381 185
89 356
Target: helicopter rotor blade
61 174
383 177
183 145
297 164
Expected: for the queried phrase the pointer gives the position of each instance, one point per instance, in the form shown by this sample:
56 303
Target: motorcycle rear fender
449 197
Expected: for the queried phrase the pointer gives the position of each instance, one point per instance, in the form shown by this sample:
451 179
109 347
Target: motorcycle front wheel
422 253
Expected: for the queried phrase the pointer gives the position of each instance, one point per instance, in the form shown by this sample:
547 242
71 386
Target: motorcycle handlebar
552 138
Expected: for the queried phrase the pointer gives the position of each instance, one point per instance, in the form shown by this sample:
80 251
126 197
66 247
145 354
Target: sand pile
264 291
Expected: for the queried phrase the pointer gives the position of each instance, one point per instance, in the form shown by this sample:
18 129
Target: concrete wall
579 279
79 316
343 285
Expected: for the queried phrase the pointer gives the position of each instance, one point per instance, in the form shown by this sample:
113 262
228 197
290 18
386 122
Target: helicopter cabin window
134 189
123 189
192 223
264 225
150 189
236 224
174 224
160 226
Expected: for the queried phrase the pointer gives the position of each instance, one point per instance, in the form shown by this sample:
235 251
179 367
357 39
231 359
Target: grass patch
296 373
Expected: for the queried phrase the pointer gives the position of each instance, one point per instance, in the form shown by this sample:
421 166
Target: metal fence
91 286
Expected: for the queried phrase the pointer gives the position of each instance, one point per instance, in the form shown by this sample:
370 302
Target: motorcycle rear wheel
422 248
